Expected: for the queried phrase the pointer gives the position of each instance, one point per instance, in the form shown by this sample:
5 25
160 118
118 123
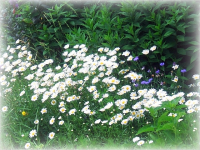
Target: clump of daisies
94 90
141 142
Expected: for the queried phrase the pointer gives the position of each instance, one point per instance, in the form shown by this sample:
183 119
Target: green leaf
194 43
183 78
180 113
179 18
168 45
164 118
106 44
137 31
51 30
175 101
45 52
187 38
196 49
171 22
151 56
53 44
154 110
191 48
146 128
190 66
193 16
181 51
44 27
128 36
167 105
168 76
41 37
136 24
180 28
193 58
128 47
168 33
169 136
55 29
26 20
56 7
136 40
163 58
180 38
154 136
72 23
167 126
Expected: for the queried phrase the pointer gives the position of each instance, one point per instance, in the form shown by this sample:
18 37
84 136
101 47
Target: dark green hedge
134 26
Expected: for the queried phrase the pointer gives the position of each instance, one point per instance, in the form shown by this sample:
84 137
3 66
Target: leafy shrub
132 26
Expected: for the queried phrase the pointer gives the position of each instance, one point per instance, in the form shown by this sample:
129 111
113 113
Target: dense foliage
133 26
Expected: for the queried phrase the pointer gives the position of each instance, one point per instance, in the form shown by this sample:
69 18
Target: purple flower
162 64
158 71
149 71
133 81
150 80
183 70
136 58
136 85
143 68
147 82
144 82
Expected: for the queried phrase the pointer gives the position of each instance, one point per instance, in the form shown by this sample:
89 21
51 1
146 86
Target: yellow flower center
24 113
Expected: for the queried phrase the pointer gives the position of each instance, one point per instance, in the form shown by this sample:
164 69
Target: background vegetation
134 26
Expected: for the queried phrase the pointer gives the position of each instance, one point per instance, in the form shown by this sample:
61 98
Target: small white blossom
5 108
175 67
153 48
51 135
66 46
145 52
33 133
151 141
140 143
27 145
36 121
195 76
135 139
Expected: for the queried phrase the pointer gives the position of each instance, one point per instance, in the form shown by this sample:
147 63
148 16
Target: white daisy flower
66 46
27 145
36 121
72 111
33 133
153 48
145 52
135 139
44 110
51 135
52 120
62 109
140 143
195 76
61 122
5 108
